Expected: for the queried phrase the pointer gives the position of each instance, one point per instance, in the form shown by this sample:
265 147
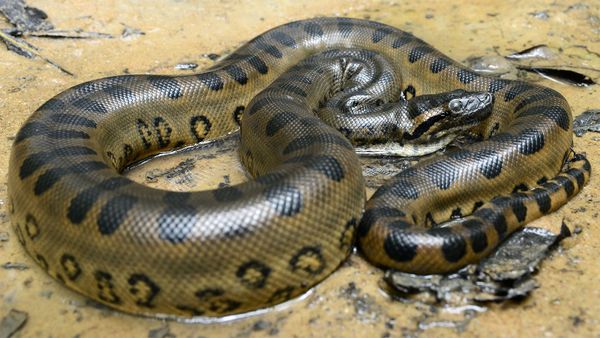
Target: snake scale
239 248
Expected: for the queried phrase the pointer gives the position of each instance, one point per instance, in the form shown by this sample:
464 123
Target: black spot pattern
515 203
401 41
258 64
65 134
114 212
566 183
214 300
237 73
227 194
284 39
36 160
74 120
456 213
143 289
120 92
104 282
443 174
168 86
285 199
281 295
578 176
497 85
466 76
345 26
70 266
269 49
53 104
492 167
347 237
313 29
84 201
237 114
29 130
439 64
90 106
200 126
496 218
380 33
404 189
542 198
399 246
555 113
309 259
530 141
31 226
51 176
418 52
278 121
516 90
178 219
372 215
454 246
328 166
477 234
306 141
253 274
211 80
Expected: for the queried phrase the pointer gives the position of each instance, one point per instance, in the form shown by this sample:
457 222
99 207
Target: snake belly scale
234 249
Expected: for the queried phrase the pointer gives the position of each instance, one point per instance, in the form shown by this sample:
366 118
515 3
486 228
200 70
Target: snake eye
455 106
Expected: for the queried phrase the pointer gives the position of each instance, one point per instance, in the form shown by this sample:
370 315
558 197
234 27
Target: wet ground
558 299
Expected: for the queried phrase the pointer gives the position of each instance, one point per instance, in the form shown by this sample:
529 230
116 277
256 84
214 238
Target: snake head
446 114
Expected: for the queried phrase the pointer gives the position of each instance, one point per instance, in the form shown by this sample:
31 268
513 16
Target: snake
302 96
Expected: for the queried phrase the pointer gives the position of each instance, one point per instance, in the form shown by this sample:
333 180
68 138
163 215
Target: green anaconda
243 247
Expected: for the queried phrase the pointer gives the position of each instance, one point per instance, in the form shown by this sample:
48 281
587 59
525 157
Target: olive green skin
236 249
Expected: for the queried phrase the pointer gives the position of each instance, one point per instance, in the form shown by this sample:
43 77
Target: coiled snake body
239 248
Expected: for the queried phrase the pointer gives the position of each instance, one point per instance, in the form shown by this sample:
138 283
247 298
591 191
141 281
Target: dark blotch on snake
53 104
65 134
237 73
176 222
143 288
516 90
120 92
556 113
404 189
566 183
497 85
443 174
114 212
418 52
285 199
578 176
47 180
313 29
81 204
530 141
90 106
515 203
542 198
70 266
328 166
380 33
306 141
477 234
454 246
75 120
36 160
439 64
227 194
258 64
253 274
371 216
492 167
269 49
211 80
284 39
345 26
279 121
399 246
401 41
202 120
495 217
168 86
31 129
466 76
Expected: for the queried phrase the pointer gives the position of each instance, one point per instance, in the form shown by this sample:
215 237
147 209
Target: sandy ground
350 302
